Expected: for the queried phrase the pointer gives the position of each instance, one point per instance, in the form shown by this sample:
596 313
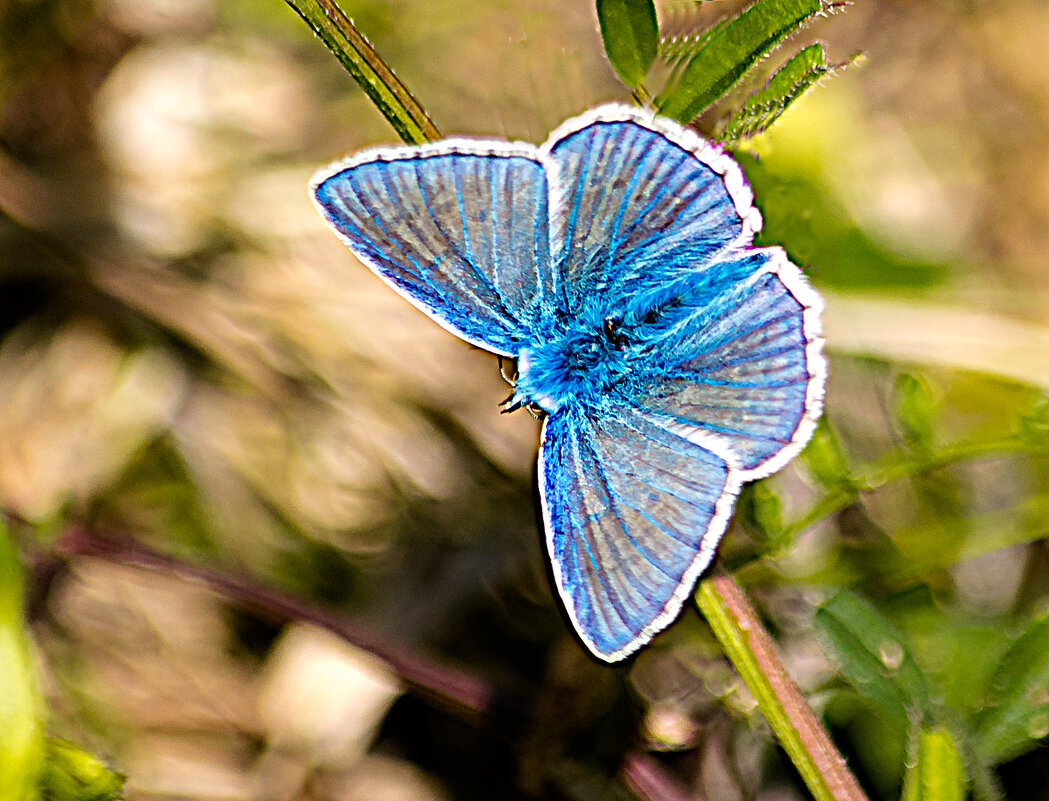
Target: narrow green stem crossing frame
365 65
753 654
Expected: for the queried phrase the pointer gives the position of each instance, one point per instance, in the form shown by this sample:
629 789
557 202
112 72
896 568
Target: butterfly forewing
633 512
641 205
464 235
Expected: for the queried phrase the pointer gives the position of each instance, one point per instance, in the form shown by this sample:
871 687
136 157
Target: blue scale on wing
630 506
640 213
465 235
737 367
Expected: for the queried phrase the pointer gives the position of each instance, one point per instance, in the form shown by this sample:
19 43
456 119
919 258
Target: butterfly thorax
578 365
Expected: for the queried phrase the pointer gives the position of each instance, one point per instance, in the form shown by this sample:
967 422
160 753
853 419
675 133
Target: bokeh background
189 359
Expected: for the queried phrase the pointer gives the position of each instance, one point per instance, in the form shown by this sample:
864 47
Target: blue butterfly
673 359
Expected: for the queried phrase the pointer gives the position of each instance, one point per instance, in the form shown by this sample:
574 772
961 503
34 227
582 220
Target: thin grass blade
367 68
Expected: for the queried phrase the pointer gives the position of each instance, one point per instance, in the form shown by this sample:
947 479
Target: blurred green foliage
21 700
938 773
874 658
73 774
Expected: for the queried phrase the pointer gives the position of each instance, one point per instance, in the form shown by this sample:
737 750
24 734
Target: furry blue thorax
577 365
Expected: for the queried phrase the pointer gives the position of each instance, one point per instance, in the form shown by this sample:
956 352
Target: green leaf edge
1018 697
803 71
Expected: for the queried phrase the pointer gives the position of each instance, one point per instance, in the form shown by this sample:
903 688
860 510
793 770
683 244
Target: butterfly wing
460 228
640 202
745 366
633 513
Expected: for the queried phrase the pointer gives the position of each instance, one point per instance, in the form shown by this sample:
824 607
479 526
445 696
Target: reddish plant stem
444 685
649 780
754 655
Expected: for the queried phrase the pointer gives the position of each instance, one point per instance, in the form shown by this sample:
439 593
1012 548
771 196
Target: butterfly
673 360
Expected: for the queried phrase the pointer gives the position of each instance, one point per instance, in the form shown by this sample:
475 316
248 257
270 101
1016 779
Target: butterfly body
580 364
674 360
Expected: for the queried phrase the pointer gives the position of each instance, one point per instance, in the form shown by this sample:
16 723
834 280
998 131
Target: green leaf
873 657
825 458
1017 715
937 774
21 699
631 35
915 409
789 82
682 47
73 774
729 52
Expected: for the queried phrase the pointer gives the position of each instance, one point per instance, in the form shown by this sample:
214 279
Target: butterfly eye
614 331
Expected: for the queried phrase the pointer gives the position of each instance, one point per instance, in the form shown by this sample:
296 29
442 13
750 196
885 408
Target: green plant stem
877 476
364 64
753 654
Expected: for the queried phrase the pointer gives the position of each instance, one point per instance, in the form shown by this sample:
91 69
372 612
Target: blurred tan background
188 357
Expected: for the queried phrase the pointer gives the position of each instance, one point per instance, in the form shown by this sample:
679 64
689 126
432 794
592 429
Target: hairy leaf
682 46
729 51
1017 714
789 82
631 35
873 657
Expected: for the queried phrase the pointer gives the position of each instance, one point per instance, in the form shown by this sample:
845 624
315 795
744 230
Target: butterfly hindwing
632 512
460 228
745 366
641 202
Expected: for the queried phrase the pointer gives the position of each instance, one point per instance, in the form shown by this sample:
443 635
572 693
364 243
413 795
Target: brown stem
444 685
